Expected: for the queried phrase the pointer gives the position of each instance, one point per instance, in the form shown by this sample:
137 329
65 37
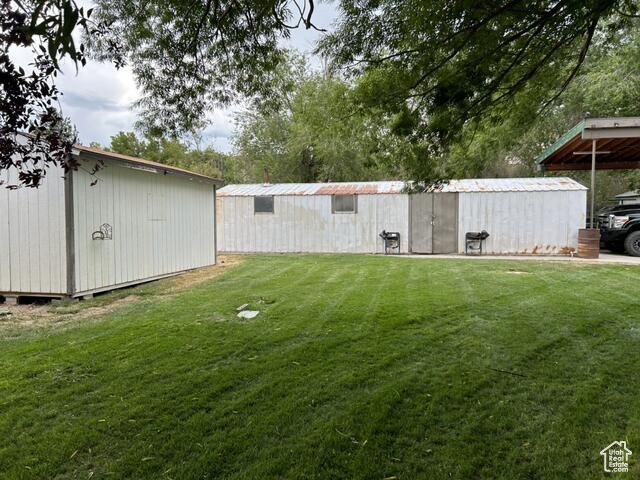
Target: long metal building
77 234
522 216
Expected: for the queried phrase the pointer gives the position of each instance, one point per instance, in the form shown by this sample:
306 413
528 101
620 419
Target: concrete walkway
605 258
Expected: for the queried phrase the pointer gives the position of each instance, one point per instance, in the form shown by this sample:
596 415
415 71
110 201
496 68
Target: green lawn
357 367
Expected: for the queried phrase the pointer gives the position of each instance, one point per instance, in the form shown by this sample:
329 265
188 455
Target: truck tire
632 243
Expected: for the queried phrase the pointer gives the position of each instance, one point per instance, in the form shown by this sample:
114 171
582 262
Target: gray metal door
445 222
421 208
433 222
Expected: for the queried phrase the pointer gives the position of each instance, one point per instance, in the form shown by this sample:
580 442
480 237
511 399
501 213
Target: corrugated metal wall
161 224
32 236
305 223
523 222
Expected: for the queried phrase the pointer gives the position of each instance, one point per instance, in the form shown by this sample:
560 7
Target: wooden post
593 182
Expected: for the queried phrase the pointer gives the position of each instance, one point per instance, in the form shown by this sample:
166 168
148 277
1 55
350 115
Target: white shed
540 215
311 217
81 233
522 216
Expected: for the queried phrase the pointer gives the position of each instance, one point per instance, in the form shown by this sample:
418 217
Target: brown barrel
589 243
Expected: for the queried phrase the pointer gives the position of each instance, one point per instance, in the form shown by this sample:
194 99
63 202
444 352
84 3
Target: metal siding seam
70 232
215 228
9 254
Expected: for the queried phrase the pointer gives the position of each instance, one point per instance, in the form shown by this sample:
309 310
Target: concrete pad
605 258
11 300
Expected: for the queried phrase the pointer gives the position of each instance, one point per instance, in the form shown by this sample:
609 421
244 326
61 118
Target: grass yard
357 367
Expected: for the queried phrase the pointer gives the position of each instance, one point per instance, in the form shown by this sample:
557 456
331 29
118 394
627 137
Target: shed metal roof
631 194
534 184
141 162
390 187
336 188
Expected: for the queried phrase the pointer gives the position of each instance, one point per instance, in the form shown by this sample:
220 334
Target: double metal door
433 222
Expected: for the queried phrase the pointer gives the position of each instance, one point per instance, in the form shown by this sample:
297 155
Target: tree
187 56
171 151
433 65
608 85
33 133
127 143
312 130
449 63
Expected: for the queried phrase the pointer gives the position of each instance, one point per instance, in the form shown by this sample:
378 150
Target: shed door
445 222
434 218
421 226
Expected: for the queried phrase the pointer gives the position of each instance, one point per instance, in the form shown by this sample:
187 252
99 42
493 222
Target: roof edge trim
566 137
89 152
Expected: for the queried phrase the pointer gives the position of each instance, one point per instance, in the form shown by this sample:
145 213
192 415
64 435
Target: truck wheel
615 247
632 243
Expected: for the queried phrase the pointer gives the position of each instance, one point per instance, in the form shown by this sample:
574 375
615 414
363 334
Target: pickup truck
620 228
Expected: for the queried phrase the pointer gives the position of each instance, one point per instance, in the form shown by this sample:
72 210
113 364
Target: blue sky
98 98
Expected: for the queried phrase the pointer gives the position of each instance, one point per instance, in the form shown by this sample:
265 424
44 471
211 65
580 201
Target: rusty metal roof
376 188
534 184
337 188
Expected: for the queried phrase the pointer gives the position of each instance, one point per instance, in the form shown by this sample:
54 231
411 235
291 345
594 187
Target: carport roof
617 143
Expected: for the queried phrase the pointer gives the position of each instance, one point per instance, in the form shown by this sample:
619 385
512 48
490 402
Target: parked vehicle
620 228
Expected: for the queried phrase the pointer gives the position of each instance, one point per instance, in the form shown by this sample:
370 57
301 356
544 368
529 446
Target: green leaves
172 151
449 63
28 98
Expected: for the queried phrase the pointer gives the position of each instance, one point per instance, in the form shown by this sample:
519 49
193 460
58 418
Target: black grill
391 241
473 241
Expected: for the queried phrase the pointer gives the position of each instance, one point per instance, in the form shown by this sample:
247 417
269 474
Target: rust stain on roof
295 189
347 189
480 185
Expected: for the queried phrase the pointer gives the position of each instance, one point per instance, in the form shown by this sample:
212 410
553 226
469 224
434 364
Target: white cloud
98 100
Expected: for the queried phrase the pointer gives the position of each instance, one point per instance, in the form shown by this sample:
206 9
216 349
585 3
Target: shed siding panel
32 237
523 222
161 224
305 223
5 246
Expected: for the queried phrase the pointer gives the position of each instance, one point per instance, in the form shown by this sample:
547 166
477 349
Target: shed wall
305 223
32 236
162 224
523 222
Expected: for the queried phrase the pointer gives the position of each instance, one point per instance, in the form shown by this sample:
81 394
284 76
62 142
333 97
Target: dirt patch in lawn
186 280
516 272
45 314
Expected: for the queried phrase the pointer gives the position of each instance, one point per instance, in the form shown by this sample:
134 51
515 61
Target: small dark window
344 203
263 204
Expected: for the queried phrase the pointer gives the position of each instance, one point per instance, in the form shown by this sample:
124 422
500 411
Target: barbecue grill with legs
473 241
391 241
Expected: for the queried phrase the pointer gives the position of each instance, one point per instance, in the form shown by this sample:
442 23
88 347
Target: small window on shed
344 203
263 204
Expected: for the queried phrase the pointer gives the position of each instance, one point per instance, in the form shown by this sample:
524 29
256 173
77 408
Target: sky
98 99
